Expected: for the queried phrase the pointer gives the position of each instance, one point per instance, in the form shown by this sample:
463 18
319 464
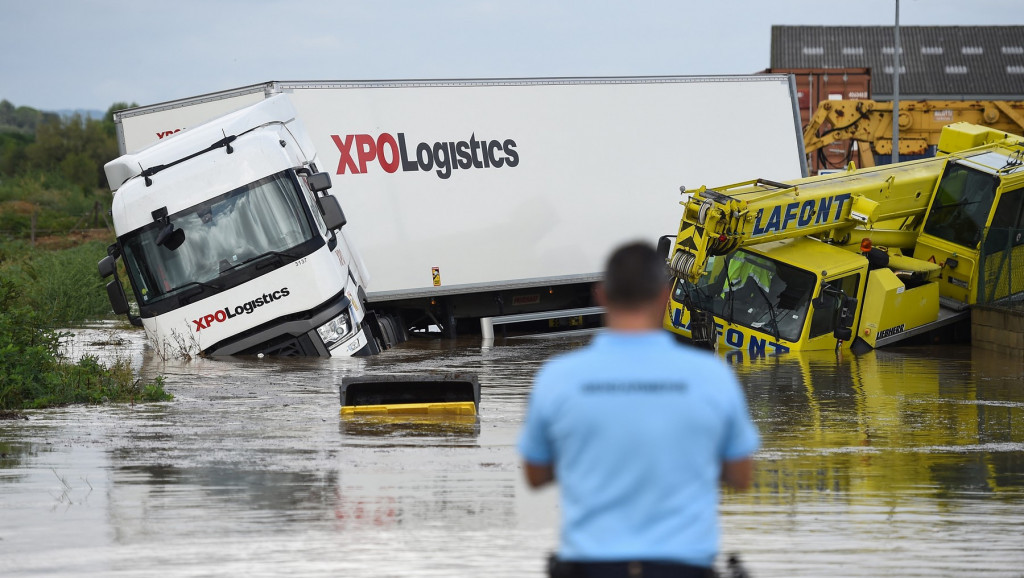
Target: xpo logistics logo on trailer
391 153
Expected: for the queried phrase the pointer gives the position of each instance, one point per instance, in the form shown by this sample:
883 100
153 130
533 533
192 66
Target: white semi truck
231 245
465 199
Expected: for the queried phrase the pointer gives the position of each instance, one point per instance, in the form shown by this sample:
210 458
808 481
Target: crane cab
800 295
976 218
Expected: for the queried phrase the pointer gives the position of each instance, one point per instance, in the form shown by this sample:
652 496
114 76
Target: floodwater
900 463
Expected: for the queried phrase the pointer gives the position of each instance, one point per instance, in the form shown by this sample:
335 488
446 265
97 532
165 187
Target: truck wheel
373 345
400 330
388 331
396 328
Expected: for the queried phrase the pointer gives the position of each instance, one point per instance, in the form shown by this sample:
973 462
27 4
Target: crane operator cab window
961 205
754 291
1003 249
1007 229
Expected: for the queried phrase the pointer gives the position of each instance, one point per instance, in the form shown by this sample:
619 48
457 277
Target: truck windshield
226 240
753 291
961 205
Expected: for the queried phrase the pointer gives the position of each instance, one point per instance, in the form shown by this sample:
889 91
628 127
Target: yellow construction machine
868 255
858 131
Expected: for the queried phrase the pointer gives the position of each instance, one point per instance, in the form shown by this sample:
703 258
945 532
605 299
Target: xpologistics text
222 315
441 157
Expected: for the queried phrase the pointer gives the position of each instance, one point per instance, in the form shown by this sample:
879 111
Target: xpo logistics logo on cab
391 153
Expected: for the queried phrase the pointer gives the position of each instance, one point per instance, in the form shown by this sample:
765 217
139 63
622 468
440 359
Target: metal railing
487 323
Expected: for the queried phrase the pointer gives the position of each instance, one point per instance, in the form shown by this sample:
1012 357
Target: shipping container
814 85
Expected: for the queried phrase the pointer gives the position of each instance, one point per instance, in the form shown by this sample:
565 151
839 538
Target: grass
50 186
42 290
58 205
62 287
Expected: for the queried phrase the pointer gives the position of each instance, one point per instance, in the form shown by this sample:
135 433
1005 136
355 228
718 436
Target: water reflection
13 456
907 462
170 501
442 430
897 422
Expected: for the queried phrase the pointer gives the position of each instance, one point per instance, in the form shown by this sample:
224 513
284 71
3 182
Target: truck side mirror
118 300
330 208
319 182
107 266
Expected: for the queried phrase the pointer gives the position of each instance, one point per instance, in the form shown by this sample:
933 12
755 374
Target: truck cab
975 218
232 245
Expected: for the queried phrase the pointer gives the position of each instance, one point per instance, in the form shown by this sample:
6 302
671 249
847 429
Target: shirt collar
652 338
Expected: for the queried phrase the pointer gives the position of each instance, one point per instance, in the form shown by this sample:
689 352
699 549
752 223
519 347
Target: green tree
22 119
78 168
108 117
68 144
6 113
12 152
54 164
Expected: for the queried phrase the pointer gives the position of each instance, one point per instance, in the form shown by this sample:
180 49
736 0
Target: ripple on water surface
905 463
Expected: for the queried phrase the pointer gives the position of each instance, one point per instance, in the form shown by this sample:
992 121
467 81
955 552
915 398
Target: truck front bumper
356 345
298 335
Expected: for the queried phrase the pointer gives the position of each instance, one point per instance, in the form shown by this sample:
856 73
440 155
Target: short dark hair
634 275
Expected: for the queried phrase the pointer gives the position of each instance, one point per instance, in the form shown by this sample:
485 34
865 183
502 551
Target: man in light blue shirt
639 432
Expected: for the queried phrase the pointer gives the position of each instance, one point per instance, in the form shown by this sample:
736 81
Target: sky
61 54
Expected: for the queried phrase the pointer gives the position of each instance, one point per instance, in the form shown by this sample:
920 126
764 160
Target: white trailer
473 198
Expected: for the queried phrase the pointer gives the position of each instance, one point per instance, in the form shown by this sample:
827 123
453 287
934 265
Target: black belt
634 569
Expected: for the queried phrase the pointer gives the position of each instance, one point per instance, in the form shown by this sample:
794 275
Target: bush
34 375
63 287
66 287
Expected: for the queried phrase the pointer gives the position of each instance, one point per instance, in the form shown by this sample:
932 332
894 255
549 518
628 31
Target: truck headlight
335 330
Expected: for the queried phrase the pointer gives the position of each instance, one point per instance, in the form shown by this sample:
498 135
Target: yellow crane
809 264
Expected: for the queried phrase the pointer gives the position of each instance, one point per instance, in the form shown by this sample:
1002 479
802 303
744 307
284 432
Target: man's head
635 288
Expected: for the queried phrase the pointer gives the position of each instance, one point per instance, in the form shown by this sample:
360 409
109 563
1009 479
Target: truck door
825 315
954 227
1001 264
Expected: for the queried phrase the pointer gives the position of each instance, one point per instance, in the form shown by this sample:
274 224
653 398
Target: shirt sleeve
741 438
534 440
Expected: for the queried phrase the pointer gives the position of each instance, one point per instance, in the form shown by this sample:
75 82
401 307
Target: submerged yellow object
438 395
457 408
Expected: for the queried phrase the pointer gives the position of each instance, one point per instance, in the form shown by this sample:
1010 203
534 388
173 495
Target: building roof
936 62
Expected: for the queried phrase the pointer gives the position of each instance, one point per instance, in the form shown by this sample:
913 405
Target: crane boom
718 221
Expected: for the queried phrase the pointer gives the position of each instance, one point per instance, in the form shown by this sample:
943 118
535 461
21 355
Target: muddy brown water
904 463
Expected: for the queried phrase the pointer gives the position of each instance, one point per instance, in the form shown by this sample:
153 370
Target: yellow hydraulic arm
883 203
719 221
869 123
